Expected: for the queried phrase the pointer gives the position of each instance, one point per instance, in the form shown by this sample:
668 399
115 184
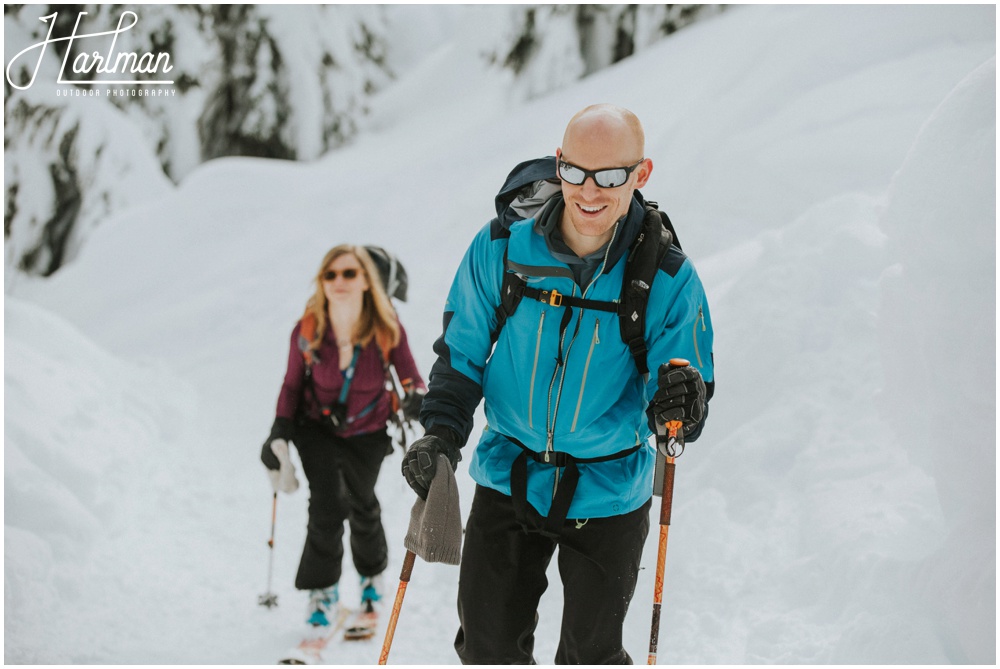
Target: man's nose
589 186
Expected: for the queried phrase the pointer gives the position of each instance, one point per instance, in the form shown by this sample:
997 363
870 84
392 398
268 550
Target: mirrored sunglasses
332 274
609 177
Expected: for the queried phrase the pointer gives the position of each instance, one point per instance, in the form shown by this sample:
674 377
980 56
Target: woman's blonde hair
378 318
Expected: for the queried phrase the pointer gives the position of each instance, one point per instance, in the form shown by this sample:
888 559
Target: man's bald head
600 137
609 125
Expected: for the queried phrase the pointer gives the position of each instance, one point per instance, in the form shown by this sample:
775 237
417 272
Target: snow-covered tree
267 81
550 46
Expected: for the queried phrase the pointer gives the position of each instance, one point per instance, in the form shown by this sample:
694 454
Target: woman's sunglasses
332 274
609 177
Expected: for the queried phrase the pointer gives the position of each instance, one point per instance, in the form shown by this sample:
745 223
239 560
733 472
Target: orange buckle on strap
555 298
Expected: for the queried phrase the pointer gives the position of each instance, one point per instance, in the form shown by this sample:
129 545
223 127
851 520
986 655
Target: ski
364 624
310 649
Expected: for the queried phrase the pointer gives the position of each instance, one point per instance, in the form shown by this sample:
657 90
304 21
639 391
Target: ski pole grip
666 503
407 570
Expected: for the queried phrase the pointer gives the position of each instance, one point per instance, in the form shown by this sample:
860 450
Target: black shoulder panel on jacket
672 261
440 347
452 397
498 231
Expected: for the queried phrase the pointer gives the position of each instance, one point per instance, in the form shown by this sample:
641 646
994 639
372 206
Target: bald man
565 461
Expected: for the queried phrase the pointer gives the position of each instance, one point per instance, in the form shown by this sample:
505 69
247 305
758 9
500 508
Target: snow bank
797 491
81 434
938 330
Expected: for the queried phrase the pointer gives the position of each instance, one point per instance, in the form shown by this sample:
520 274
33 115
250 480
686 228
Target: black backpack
528 187
392 271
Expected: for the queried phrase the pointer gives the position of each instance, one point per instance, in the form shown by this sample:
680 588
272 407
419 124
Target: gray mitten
282 479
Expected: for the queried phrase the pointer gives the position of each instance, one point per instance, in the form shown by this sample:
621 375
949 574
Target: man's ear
643 173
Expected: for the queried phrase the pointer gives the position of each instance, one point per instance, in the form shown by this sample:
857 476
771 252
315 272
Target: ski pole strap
565 489
670 439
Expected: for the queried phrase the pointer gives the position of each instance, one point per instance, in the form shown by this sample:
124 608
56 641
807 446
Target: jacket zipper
551 413
554 411
586 368
694 332
595 339
534 367
550 428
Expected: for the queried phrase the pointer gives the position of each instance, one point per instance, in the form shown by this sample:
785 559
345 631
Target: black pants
502 578
341 474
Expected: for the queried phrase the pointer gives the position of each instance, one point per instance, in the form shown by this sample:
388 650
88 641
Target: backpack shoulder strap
643 261
385 348
511 291
307 332
665 220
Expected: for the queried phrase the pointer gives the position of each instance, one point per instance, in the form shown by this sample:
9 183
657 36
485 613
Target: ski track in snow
821 518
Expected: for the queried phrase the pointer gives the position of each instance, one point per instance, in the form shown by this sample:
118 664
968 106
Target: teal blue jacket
594 405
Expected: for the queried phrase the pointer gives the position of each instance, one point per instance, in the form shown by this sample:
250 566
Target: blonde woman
334 406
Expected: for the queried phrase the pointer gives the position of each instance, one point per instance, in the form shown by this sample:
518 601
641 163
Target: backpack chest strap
556 299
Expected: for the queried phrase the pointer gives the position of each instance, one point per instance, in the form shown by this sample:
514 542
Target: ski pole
396 404
674 437
270 599
390 630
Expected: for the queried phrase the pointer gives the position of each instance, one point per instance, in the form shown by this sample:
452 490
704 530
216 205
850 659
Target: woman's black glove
274 454
680 396
268 457
420 462
282 428
411 403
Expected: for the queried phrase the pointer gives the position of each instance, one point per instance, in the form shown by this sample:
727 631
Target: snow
831 171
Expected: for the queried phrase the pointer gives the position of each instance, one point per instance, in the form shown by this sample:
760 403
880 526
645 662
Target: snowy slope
830 170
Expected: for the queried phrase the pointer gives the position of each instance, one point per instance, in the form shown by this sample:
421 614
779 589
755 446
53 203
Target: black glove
282 428
680 396
411 403
420 462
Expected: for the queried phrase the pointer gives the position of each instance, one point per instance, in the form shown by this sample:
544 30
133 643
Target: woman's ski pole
270 599
390 630
674 446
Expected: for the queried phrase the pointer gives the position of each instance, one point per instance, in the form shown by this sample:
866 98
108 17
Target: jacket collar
628 229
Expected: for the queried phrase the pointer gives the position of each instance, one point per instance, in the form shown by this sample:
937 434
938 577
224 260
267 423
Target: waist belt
565 487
